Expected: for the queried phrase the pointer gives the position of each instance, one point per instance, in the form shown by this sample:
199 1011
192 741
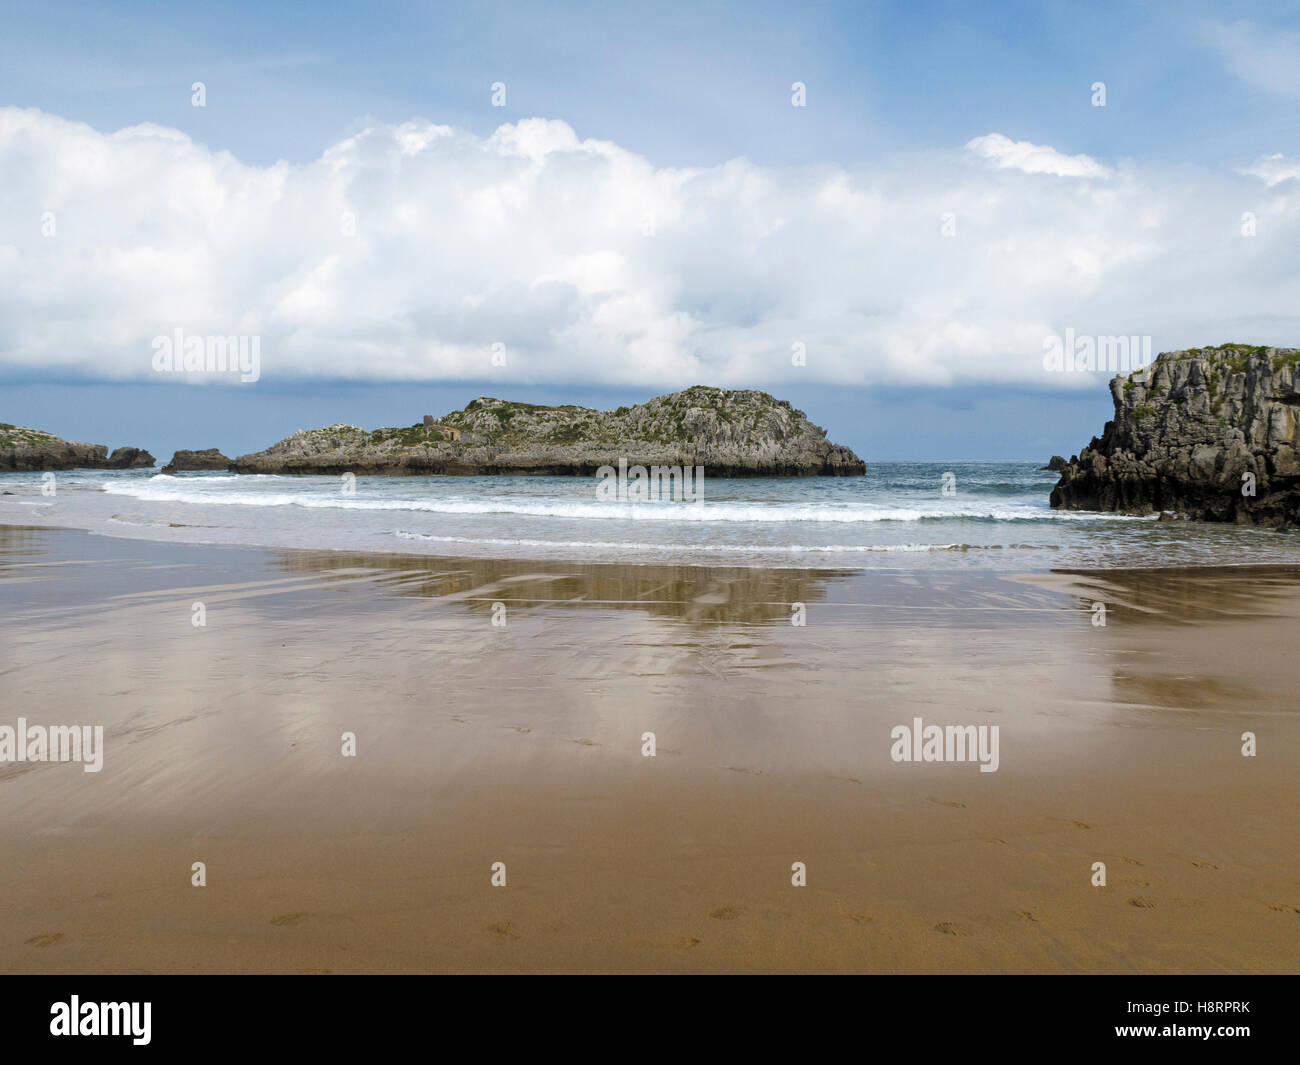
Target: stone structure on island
449 431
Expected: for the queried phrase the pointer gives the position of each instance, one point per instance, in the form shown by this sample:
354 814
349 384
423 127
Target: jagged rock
130 458
207 459
1187 430
1055 464
729 433
31 449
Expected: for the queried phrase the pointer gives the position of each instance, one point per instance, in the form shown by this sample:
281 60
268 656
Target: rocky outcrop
207 459
31 449
729 433
129 458
1055 464
1208 433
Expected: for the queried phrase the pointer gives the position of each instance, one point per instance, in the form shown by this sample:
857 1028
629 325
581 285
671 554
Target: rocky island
1207 433
23 449
730 433
207 459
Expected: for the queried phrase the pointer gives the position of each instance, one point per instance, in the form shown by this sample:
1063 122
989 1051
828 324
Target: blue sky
1197 93
686 84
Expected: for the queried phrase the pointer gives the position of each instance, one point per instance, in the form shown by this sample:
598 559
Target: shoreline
1009 574
901 519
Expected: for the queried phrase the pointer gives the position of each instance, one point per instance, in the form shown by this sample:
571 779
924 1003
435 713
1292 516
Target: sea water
899 516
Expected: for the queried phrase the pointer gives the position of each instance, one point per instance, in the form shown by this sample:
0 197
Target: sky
411 205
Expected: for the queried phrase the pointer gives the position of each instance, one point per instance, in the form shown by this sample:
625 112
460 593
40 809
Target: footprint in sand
505 929
1071 820
1142 902
1027 915
951 802
288 918
726 913
517 728
993 839
670 943
860 918
1280 907
50 938
948 929
1131 861
587 743
1204 865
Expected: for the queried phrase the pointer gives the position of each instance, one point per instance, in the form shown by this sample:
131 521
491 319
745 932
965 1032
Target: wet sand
479 743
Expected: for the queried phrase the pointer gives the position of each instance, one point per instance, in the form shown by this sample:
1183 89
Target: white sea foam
197 491
999 520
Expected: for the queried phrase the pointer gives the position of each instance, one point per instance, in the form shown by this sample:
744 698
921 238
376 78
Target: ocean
972 515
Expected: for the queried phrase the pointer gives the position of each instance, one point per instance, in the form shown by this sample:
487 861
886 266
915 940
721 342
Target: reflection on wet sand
524 743
1214 641
696 595
1178 596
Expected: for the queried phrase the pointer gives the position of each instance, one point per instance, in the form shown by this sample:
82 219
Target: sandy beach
522 743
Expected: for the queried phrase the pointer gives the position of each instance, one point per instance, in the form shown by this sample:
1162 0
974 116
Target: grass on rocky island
21 436
661 422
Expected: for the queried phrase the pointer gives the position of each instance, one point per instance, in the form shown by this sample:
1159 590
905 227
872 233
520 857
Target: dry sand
522 744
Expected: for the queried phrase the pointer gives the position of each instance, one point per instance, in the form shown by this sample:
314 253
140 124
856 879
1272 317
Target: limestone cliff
1187 430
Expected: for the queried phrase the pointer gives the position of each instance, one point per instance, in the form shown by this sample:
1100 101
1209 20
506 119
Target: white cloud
593 267
1035 158
1274 169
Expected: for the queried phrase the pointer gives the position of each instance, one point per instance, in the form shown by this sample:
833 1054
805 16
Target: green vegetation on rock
740 432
